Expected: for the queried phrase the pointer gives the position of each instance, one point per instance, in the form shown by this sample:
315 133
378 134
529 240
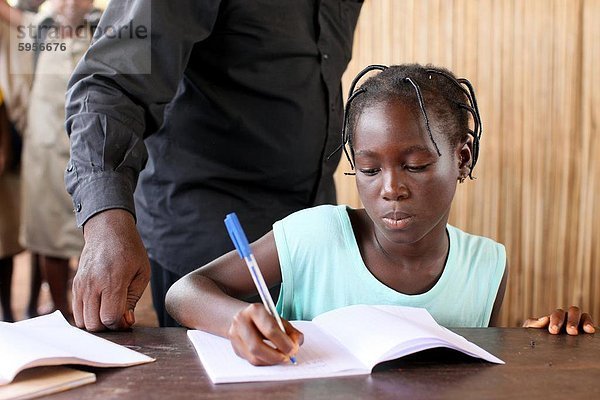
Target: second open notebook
346 341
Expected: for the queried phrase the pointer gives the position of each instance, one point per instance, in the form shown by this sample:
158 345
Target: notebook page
319 356
440 335
18 351
379 333
50 340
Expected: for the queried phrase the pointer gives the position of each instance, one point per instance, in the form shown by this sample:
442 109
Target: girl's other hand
252 326
572 321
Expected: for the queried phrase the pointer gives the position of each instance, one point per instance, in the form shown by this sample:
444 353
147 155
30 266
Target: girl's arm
209 299
495 318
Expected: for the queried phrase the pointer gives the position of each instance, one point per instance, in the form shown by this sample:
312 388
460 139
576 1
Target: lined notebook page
319 356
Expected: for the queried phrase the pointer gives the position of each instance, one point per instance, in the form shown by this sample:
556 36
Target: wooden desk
538 366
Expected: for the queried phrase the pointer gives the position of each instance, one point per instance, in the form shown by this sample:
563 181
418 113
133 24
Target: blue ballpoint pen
243 247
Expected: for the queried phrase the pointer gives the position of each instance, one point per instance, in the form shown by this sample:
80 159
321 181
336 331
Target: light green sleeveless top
322 269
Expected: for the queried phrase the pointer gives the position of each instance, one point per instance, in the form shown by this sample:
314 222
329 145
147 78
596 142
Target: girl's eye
416 168
370 171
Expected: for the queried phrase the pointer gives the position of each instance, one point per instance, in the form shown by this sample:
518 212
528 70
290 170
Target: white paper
374 334
50 340
319 356
347 341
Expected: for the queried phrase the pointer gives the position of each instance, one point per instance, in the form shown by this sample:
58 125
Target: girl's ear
465 157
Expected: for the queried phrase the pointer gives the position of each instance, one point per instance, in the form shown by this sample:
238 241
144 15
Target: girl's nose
393 188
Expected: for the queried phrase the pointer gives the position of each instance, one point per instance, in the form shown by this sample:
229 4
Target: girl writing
410 143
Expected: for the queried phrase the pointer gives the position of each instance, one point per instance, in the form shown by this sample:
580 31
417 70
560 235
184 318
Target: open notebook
50 340
42 381
346 341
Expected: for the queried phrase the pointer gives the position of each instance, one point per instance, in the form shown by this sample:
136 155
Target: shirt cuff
100 192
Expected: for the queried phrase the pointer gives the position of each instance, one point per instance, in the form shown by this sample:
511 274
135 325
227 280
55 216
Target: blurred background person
15 82
48 227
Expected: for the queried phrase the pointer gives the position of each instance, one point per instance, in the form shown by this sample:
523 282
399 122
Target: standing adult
238 112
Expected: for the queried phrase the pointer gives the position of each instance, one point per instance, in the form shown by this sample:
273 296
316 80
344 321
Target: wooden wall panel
534 64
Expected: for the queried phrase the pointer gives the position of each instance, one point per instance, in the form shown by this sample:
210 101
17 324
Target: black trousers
160 282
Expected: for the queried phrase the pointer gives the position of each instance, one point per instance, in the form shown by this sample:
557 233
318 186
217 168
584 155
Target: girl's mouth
397 222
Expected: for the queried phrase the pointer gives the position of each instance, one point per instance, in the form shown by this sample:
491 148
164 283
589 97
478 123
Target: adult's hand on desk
572 321
113 272
251 326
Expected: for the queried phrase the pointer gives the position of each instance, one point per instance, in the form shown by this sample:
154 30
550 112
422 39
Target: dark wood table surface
538 366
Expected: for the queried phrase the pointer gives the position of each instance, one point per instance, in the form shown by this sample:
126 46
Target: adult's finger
112 308
91 312
77 301
135 292
77 306
86 301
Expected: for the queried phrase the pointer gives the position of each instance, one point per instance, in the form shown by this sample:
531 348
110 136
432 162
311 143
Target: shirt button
78 207
325 56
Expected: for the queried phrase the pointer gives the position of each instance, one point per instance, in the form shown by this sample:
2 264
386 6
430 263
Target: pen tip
293 360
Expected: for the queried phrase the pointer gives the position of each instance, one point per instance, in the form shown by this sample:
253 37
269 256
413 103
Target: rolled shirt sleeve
118 93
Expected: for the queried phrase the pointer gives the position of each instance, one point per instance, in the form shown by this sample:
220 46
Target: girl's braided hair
435 91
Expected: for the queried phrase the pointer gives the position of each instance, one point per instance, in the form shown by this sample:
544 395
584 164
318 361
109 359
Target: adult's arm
116 98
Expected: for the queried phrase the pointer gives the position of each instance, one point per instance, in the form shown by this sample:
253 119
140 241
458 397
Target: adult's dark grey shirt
241 108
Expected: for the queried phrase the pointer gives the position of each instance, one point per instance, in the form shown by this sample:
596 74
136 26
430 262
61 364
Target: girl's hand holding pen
252 326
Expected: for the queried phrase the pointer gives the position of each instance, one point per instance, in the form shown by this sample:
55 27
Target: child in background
410 144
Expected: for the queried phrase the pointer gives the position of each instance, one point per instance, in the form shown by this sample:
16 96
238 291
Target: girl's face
405 187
